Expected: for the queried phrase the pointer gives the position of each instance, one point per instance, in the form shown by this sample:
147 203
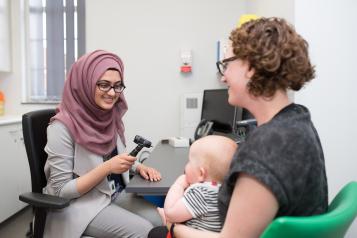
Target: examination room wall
149 36
330 28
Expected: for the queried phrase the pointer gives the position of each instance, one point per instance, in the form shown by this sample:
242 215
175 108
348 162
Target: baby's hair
216 153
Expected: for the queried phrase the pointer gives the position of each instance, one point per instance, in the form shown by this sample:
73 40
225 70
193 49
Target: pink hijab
91 127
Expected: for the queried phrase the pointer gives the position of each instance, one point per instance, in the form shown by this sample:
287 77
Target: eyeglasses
106 87
222 65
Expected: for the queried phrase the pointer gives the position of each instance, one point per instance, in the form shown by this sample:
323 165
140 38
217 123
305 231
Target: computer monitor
215 107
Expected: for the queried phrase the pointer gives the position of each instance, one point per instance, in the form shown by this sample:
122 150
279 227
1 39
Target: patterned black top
284 154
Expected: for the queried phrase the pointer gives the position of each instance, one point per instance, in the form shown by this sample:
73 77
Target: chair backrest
333 224
34 125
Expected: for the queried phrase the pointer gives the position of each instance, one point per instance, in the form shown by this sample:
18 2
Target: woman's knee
142 227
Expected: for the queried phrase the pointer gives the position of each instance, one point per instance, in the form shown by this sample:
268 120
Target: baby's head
209 159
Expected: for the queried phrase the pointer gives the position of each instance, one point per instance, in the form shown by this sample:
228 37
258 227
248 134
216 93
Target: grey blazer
67 161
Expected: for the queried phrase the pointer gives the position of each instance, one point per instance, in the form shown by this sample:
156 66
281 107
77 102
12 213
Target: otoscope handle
136 150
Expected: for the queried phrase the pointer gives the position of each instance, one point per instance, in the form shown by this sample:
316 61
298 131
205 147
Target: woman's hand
117 164
120 163
148 173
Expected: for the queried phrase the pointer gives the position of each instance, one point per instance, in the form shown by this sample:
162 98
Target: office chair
34 125
333 224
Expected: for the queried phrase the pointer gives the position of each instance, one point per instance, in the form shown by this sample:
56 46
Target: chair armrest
44 200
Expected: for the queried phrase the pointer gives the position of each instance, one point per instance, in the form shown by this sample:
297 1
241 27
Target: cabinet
5 47
15 175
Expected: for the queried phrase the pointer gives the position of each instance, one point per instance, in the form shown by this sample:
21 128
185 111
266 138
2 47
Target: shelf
10 119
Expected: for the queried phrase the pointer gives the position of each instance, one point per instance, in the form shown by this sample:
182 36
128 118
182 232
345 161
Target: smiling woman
281 163
86 159
105 97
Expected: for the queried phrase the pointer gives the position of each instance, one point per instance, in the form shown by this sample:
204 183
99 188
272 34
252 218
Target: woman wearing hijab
86 163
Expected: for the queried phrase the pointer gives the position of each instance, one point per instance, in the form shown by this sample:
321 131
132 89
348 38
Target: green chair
333 224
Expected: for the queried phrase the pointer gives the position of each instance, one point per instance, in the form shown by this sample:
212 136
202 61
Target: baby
193 198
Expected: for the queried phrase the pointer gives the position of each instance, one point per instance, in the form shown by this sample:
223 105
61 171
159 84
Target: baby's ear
203 174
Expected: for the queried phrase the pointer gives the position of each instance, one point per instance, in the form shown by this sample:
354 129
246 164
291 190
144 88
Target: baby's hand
182 181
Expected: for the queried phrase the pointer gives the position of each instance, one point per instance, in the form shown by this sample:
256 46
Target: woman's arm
59 165
182 231
174 208
252 207
117 164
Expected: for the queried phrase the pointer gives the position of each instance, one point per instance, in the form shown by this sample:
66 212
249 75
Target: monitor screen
215 107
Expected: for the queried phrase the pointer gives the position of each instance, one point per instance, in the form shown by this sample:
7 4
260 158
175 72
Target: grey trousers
127 216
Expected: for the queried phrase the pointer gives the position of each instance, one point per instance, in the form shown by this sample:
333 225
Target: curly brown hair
276 52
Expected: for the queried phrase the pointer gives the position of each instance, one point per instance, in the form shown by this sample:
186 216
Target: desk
170 161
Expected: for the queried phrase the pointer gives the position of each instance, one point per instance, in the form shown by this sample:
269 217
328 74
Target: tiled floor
17 225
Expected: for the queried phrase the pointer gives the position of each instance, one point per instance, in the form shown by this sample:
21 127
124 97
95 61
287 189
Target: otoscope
142 142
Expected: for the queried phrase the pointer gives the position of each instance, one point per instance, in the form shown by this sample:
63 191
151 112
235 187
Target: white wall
272 8
330 28
149 35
